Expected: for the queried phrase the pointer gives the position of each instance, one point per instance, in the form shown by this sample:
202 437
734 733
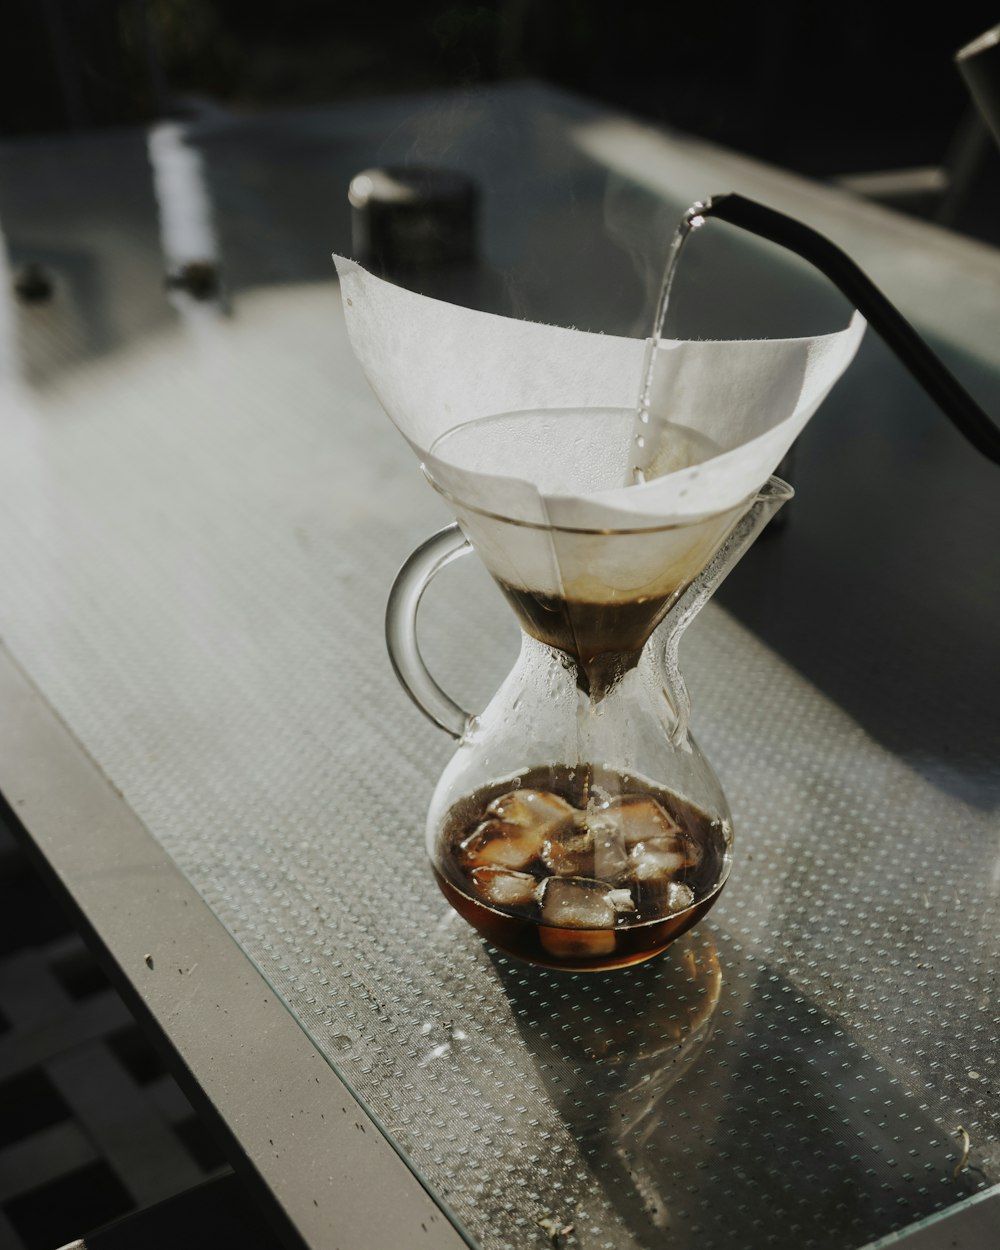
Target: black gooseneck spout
897 333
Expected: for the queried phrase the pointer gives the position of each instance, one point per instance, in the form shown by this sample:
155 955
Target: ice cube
654 867
495 844
679 896
578 918
577 903
531 809
577 943
637 817
576 850
656 860
516 827
621 900
504 886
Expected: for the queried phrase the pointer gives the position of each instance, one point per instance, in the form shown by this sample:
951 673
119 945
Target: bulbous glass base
573 950
582 865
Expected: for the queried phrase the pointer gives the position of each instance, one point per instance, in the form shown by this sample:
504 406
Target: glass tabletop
203 508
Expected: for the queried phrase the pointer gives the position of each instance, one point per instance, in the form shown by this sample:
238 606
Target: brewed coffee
580 869
587 630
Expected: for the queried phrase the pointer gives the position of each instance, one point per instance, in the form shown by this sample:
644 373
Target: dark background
824 89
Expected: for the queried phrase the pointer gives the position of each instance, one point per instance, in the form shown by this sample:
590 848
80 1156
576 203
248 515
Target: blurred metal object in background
188 236
945 192
415 219
979 64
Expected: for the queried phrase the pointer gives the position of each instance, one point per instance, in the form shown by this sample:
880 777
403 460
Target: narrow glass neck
597 638
597 677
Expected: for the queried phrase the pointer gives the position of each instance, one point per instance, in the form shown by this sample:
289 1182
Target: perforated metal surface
199 522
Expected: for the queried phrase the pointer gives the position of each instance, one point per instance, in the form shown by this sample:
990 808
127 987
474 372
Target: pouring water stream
641 443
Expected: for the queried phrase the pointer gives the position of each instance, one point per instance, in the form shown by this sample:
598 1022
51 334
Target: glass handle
401 629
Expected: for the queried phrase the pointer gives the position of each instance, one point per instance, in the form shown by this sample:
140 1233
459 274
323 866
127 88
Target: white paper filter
551 442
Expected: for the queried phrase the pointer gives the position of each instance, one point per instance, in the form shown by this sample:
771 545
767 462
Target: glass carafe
578 825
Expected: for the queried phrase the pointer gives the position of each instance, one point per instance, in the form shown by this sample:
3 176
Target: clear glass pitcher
578 825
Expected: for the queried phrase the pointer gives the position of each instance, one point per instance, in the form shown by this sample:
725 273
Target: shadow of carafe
609 1047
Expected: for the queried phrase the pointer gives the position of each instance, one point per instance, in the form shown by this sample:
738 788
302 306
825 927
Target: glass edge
939 1217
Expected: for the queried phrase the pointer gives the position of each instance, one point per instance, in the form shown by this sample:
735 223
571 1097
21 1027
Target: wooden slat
125 1125
43 1157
